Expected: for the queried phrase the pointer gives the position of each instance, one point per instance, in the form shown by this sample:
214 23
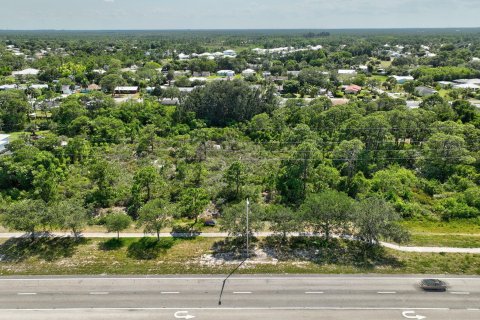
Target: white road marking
473 309
26 293
99 293
169 292
314 292
386 292
228 308
242 292
459 292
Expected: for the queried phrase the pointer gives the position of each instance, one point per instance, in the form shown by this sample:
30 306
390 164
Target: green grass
379 78
456 241
16 135
440 227
182 256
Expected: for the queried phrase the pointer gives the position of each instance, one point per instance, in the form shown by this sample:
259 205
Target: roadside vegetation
203 256
180 152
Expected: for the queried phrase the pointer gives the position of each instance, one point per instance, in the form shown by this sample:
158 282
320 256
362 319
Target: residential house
94 87
293 73
229 53
226 73
170 101
471 86
248 72
353 89
412 104
204 74
126 90
26 72
347 72
39 86
183 56
4 140
8 87
445 84
425 91
403 79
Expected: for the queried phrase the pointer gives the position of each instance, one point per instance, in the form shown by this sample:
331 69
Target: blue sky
236 14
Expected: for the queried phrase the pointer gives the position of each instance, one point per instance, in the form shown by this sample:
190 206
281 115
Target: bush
112 244
148 248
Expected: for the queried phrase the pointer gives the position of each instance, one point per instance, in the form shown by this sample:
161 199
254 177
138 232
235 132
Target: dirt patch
258 257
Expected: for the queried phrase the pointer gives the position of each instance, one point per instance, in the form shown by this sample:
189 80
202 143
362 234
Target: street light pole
241 263
248 203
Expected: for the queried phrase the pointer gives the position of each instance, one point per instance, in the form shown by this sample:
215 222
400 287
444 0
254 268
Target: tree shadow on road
336 251
44 248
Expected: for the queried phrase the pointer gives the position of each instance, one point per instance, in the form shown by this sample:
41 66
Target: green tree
27 215
283 220
235 219
146 140
296 173
347 154
116 222
14 109
110 82
147 178
328 211
220 103
374 218
155 215
71 214
235 177
441 154
193 201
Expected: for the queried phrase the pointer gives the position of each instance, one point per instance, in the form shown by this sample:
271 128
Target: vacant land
205 255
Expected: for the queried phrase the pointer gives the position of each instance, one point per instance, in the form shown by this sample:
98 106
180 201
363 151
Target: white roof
403 78
469 81
466 86
26 72
248 71
198 79
39 86
8 86
346 71
99 71
126 89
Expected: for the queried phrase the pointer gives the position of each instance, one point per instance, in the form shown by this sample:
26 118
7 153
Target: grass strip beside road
450 240
91 256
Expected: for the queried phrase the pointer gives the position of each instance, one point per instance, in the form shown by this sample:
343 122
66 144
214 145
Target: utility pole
248 203
241 263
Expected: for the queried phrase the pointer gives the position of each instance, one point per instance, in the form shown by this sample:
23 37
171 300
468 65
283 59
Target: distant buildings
226 73
26 72
347 72
353 89
4 140
126 90
425 91
403 79
248 72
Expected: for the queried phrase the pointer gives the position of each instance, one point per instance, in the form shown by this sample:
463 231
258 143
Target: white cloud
109 1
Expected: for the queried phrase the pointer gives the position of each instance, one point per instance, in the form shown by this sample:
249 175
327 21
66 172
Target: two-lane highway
245 297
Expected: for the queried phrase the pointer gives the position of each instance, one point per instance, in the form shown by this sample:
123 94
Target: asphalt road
245 297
